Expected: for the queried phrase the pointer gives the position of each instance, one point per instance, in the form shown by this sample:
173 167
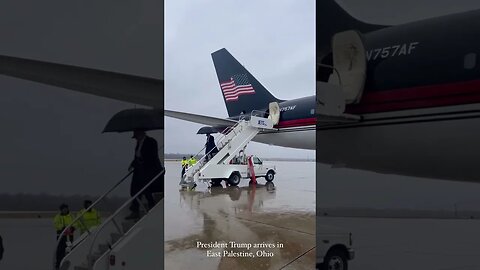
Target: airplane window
470 61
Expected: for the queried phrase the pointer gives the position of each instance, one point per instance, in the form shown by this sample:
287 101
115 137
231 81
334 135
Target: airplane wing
200 119
124 87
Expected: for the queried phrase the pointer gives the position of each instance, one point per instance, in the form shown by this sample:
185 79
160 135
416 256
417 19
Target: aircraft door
274 112
350 64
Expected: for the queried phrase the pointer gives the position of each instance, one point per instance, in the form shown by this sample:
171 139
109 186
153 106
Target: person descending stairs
233 140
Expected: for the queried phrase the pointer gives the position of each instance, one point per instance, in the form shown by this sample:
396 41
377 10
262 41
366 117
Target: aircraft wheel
270 176
335 260
234 179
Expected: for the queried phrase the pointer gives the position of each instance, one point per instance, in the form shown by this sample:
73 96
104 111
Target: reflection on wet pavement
243 215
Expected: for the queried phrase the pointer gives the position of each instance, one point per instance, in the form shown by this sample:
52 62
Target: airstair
233 140
116 242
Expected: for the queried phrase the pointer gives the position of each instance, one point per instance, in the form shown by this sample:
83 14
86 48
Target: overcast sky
273 39
50 140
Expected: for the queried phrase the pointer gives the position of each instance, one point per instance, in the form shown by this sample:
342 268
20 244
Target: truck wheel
335 260
234 179
270 186
269 176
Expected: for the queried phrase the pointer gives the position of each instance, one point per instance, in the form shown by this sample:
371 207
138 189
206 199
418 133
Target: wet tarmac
29 243
401 243
213 228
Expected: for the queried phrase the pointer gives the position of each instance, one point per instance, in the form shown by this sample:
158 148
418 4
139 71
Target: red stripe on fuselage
418 97
296 123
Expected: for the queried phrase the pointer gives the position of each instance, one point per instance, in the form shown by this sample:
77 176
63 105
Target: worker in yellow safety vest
184 165
89 219
61 221
191 161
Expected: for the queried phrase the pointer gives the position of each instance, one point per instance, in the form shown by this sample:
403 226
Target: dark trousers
135 207
62 245
139 180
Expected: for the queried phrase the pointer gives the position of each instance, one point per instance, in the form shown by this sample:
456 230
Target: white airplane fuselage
303 139
439 142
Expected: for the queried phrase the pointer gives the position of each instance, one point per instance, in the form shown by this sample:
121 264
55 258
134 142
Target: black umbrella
135 119
210 130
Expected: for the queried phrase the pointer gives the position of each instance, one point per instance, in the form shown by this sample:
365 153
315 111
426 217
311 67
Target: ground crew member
184 165
61 221
89 219
191 161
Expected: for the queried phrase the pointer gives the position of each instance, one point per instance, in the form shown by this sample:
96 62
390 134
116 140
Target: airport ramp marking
298 257
275 226
283 228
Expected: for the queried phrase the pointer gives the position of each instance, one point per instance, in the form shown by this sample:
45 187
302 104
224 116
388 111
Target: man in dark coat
146 165
210 147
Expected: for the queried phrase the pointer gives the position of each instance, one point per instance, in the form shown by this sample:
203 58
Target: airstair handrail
259 113
334 69
205 146
200 160
82 213
127 203
224 133
197 154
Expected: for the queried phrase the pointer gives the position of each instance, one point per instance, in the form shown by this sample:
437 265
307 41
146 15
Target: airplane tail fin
331 19
241 92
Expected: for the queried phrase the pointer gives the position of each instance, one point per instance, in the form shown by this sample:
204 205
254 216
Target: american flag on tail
236 86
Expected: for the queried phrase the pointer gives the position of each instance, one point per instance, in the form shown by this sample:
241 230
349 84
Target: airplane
408 103
413 88
296 128
243 94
